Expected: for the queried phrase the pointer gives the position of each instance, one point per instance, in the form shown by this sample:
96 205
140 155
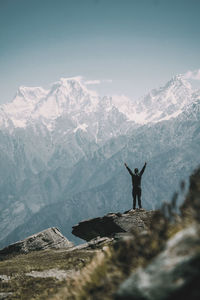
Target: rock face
50 238
173 274
111 224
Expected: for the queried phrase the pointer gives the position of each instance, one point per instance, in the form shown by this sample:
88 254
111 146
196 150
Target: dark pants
136 193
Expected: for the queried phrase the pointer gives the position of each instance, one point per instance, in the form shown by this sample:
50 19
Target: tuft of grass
88 280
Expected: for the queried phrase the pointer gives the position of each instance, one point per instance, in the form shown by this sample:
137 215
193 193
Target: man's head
136 170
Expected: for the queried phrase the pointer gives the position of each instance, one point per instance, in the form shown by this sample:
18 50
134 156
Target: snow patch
82 127
19 207
55 273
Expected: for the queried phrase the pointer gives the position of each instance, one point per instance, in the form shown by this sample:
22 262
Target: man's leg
139 198
134 199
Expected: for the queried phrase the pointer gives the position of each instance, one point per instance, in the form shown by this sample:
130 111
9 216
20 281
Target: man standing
136 182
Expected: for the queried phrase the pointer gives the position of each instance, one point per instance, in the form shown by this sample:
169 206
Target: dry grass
26 287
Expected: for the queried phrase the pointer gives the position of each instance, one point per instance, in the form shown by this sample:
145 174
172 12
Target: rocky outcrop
50 238
113 223
173 274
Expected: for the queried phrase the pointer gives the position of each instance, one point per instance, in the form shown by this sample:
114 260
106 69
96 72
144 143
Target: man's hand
125 165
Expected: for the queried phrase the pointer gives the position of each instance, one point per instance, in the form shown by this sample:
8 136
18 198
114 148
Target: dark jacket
136 178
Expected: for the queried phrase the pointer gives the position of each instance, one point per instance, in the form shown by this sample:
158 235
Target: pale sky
127 46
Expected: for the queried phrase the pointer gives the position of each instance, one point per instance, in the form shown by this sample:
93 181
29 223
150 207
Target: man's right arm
129 170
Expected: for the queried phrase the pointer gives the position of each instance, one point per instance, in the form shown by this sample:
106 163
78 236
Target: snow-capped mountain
70 97
66 146
160 104
67 98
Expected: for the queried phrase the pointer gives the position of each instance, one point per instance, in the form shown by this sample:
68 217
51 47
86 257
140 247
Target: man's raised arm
129 170
142 171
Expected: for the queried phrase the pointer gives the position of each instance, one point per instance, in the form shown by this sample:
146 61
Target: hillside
162 244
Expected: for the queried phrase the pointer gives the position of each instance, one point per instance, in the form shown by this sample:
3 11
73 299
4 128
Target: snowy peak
178 81
174 91
166 102
30 93
20 109
66 86
68 106
68 95
70 99
73 86
160 104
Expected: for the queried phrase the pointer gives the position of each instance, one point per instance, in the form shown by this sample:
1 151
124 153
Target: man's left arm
142 171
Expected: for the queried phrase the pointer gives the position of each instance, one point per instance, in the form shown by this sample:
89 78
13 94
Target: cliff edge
114 223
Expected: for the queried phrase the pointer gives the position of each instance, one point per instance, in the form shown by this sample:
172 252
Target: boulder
50 238
173 274
97 243
113 223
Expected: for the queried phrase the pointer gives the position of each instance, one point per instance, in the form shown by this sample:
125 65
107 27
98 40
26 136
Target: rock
96 243
173 274
50 238
4 278
110 224
5 296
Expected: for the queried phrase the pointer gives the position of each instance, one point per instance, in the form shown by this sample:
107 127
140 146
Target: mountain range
62 152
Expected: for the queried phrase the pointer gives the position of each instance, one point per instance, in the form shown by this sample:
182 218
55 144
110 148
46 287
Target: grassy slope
26 287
